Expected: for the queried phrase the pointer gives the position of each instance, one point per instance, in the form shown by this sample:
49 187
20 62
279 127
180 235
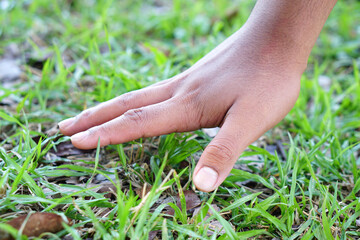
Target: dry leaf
192 201
214 225
145 189
37 224
65 149
191 198
153 234
110 191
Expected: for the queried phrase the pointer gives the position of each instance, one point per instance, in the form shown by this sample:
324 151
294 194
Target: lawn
301 180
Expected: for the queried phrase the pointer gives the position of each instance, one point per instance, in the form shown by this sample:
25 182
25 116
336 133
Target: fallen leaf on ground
109 189
37 223
153 235
192 201
191 198
145 189
65 149
214 225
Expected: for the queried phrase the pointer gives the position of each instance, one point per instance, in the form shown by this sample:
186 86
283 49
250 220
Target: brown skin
246 86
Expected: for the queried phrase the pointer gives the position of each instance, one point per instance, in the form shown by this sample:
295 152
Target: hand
246 85
237 86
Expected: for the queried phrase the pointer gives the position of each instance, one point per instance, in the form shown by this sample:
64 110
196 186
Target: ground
298 181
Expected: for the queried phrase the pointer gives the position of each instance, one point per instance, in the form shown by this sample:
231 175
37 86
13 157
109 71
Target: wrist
268 49
286 29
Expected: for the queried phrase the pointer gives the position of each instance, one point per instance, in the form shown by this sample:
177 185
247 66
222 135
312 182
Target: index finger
113 108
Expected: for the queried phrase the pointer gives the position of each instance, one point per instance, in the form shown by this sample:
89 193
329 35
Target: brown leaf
110 191
37 224
145 189
191 198
153 234
2 190
65 149
192 201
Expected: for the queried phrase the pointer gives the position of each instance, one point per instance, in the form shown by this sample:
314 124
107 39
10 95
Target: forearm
287 27
279 34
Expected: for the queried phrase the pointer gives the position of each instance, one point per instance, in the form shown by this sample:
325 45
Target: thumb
219 156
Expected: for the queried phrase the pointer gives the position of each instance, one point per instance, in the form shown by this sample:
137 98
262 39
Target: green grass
96 50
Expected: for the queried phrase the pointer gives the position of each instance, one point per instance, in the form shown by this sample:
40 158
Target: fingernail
205 179
65 123
79 136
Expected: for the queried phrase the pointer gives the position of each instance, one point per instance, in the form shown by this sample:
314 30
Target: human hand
237 86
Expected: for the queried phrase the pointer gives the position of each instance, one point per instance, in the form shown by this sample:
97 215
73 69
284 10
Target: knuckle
125 100
84 115
169 88
192 97
194 109
189 103
94 131
135 116
219 152
105 129
102 132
